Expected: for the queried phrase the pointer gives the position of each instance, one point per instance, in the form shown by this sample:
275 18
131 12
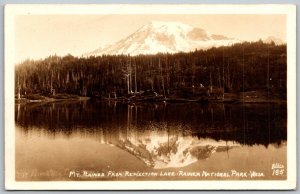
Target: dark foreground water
93 140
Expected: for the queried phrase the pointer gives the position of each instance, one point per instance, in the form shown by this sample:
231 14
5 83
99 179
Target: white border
12 10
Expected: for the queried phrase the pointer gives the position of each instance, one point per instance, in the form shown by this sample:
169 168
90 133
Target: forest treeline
241 67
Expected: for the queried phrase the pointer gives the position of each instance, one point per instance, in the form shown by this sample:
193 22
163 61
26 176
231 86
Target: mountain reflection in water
159 150
162 135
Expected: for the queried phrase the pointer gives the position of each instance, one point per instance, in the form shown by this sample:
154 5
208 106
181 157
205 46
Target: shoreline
164 100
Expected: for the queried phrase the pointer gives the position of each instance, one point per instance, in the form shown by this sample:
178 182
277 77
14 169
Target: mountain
161 152
274 39
164 37
159 149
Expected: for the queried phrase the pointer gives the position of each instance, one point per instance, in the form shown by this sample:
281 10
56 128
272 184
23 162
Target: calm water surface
94 140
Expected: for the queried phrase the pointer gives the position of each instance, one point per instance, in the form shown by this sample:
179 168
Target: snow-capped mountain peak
164 37
160 150
166 26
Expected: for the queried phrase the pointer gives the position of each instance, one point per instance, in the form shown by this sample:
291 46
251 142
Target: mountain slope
274 39
160 150
164 37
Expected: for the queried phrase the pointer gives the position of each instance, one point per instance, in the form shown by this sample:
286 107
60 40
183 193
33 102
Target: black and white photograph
110 95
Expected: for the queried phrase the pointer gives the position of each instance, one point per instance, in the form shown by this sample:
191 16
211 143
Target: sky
39 36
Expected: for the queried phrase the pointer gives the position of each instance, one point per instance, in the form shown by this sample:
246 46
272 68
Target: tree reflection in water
161 135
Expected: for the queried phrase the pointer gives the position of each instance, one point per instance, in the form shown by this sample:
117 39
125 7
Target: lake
106 140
